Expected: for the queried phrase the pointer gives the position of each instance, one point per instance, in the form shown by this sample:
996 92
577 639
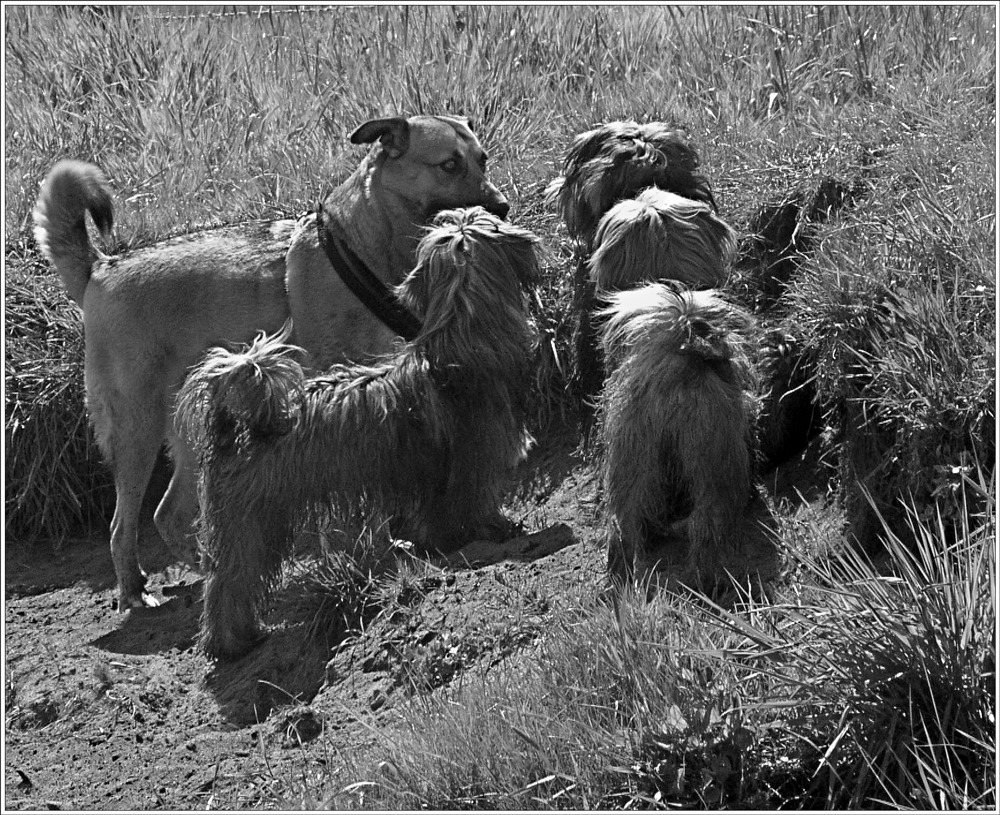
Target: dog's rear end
676 418
235 407
147 315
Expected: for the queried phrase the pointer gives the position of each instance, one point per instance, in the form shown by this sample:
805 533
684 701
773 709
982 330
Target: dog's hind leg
243 557
132 457
712 444
129 430
176 513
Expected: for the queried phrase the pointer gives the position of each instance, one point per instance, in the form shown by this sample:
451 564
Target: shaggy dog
676 446
150 314
660 236
614 163
426 436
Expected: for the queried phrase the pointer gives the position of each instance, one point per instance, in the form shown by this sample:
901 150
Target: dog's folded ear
394 134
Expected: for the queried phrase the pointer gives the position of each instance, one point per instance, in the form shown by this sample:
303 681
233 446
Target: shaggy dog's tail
692 323
69 192
256 391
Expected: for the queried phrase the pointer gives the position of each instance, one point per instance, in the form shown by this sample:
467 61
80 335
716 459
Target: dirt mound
110 711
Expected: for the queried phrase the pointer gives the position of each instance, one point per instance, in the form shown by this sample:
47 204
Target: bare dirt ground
120 711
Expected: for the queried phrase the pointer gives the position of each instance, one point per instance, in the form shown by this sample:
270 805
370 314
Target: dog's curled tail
256 390
695 323
69 192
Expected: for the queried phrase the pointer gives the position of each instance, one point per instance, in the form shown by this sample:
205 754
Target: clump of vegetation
892 670
856 687
337 587
897 313
55 482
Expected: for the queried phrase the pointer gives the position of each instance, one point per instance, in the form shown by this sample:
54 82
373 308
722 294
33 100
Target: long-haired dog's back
426 436
675 430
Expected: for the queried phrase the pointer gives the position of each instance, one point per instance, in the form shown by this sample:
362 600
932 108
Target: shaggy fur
150 314
425 437
661 236
615 161
604 166
676 445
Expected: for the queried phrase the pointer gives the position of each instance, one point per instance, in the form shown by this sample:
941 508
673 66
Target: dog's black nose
499 208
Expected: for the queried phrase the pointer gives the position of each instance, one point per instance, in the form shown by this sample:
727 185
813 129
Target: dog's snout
499 207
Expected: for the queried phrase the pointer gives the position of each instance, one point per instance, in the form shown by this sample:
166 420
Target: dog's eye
451 166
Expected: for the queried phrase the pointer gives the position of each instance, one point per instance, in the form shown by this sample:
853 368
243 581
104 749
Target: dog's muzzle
499 208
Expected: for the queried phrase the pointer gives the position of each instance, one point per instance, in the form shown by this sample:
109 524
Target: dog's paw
498 529
137 601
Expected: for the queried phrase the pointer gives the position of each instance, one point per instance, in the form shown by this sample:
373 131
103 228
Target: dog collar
365 284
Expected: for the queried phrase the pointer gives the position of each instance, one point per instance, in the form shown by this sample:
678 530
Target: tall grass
902 668
220 116
897 307
587 721
56 483
206 116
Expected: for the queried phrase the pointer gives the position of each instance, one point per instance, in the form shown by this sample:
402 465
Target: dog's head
661 236
470 278
434 162
616 161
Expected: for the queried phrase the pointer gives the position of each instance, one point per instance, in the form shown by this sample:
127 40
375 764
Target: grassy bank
855 688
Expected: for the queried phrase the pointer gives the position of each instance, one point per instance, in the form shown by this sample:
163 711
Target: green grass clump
338 588
55 483
895 666
897 310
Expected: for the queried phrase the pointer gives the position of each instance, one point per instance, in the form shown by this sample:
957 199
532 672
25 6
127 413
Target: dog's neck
382 228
